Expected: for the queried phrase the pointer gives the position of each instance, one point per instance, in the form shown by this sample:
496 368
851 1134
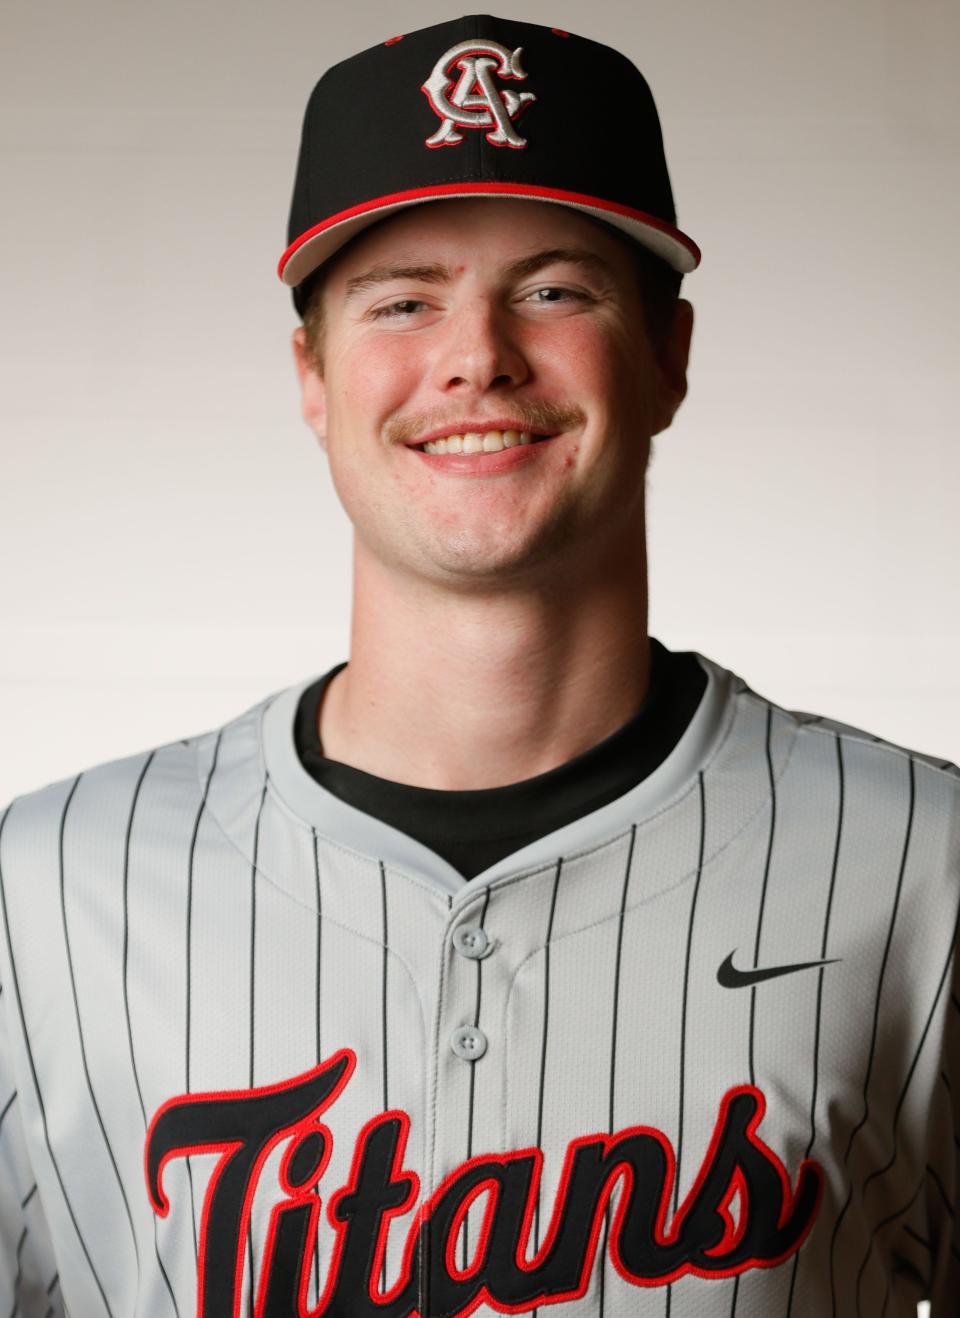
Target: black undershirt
473 830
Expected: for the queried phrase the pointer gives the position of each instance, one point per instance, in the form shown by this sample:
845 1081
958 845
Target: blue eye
556 294
402 307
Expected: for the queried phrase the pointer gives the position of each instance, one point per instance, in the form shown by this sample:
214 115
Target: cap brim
306 253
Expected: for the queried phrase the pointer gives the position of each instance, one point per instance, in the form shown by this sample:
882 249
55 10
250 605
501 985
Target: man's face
486 315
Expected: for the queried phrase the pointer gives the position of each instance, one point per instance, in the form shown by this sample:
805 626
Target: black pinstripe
253 935
36 1084
19 1277
736 1294
873 1036
613 1049
253 973
76 1011
473 1077
317 999
316 880
764 886
189 968
686 990
683 1009
543 1048
616 975
126 995
915 1235
383 984
824 944
383 1024
51 1287
883 965
7 1106
932 1173
886 1298
763 901
546 1020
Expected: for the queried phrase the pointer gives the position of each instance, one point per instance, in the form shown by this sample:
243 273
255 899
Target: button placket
471 941
468 1042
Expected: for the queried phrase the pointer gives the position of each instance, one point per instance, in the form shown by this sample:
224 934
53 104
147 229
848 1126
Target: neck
461 692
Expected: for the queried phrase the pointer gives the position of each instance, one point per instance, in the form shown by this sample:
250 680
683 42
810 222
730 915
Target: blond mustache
542 418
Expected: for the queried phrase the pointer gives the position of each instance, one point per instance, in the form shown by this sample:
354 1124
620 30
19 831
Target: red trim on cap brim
683 248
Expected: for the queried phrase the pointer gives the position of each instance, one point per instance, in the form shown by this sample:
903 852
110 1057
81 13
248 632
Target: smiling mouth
491 441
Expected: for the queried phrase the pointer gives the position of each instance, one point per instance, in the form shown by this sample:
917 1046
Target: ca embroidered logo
476 101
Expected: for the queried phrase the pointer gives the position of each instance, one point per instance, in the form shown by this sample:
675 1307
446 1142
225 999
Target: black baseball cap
480 107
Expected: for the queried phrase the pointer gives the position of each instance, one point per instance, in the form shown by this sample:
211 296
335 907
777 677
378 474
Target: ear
673 358
313 393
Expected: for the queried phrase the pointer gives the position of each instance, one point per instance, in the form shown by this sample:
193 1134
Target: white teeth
473 442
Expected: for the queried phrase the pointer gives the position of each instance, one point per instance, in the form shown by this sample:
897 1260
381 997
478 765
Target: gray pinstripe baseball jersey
692 1054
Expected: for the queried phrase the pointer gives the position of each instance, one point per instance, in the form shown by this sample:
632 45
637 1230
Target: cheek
369 383
585 360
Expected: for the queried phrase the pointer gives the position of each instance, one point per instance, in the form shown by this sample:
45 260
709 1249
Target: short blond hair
313 316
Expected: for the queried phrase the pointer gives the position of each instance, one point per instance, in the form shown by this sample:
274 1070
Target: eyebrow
443 274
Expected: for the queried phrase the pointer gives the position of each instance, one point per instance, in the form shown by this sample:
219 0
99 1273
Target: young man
517 961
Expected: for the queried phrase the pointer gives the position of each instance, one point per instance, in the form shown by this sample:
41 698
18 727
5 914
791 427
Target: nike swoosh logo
728 976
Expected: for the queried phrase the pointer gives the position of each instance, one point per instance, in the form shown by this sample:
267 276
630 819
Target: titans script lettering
647 1246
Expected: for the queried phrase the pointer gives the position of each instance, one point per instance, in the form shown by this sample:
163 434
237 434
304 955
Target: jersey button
471 940
468 1042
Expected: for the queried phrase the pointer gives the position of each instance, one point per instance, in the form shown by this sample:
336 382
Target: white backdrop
172 548
170 544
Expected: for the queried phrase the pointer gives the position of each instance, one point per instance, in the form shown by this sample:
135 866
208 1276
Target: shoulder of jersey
820 724
106 792
882 768
815 725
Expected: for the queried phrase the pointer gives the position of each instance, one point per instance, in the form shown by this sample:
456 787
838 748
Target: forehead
475 232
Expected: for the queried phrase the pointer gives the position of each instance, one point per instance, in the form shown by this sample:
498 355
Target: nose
480 351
